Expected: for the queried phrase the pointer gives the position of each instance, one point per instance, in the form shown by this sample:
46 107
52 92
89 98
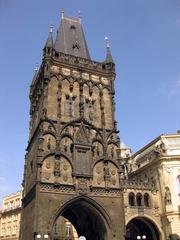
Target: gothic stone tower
72 165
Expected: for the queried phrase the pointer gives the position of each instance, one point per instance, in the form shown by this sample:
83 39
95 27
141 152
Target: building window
178 185
146 200
139 199
70 105
131 199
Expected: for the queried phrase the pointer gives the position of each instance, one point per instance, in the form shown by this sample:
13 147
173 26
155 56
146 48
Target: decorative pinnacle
62 13
51 28
107 42
36 67
79 14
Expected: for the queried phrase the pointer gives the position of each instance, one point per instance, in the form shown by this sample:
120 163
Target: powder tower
72 166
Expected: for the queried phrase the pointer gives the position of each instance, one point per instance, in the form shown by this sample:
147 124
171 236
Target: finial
79 14
36 67
51 28
107 42
62 13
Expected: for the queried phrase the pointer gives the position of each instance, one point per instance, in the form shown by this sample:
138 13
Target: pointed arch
86 210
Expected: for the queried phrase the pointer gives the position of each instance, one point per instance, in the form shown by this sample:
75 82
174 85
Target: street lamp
141 237
39 236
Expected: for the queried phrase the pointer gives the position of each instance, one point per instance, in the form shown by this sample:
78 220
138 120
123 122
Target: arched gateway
88 218
142 228
72 165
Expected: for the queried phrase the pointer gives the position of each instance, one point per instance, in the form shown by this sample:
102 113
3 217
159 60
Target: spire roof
49 42
109 58
70 37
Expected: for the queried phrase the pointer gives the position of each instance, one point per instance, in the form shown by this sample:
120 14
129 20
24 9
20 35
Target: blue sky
145 43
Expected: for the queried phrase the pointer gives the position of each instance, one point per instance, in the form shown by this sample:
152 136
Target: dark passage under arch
85 218
142 228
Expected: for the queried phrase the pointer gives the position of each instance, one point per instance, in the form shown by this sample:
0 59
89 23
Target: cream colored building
152 192
10 217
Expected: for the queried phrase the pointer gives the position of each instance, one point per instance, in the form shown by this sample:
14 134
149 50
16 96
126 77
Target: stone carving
61 188
106 170
57 168
66 145
106 175
49 143
160 147
81 135
98 175
167 196
105 192
44 113
112 151
89 108
82 186
97 150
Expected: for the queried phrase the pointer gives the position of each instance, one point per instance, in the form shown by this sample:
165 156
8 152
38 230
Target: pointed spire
36 69
79 14
62 13
109 58
70 37
49 42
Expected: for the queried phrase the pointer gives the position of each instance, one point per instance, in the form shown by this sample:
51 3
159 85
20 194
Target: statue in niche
67 130
49 143
65 145
70 105
106 170
57 168
44 113
112 151
167 196
90 108
96 150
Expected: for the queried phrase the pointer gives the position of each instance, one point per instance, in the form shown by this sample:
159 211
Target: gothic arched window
131 199
70 105
139 199
146 200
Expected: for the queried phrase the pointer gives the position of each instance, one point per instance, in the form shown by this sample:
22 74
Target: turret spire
49 42
62 13
109 58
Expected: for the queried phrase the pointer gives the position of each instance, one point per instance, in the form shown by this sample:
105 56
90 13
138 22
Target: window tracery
70 105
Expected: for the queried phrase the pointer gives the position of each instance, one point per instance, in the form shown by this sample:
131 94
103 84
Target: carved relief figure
97 150
167 196
57 168
160 147
49 143
106 170
89 109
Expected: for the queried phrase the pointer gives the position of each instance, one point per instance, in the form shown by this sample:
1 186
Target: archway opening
142 229
83 219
